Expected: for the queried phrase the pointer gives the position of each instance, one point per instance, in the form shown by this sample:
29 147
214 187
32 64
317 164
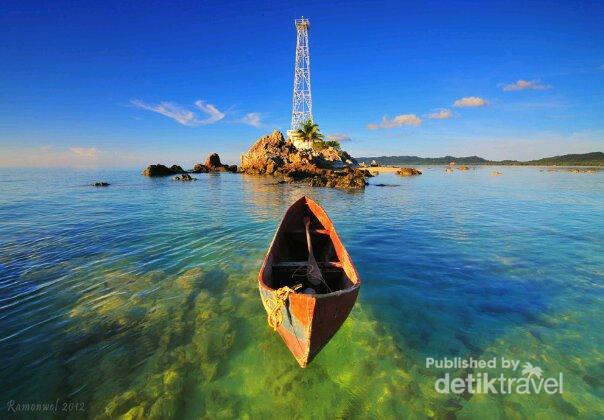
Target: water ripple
126 278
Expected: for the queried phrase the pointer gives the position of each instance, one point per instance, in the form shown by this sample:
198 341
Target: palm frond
309 132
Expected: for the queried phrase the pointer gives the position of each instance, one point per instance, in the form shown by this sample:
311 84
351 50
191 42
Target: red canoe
305 308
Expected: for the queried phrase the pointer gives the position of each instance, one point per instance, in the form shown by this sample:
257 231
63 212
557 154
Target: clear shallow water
141 297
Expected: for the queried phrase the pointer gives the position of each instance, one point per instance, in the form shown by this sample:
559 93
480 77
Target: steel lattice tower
302 99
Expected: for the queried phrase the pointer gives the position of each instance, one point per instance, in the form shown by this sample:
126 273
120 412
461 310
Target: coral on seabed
197 345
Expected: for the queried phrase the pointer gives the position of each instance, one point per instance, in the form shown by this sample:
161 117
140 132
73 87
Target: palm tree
530 370
309 133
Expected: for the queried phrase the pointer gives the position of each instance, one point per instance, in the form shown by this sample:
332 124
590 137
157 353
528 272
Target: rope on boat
275 303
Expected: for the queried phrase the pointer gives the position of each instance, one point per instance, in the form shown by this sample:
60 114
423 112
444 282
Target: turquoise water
141 298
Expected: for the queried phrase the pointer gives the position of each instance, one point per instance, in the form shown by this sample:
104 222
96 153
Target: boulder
273 155
213 164
374 164
198 168
162 170
331 157
272 164
213 161
463 167
177 169
299 172
367 173
408 172
495 173
268 155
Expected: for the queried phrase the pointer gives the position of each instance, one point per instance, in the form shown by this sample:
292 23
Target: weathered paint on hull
295 329
310 321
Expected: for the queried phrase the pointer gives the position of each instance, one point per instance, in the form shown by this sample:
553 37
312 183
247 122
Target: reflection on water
141 298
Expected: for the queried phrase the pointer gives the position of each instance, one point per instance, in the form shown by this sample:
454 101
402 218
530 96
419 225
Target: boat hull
309 321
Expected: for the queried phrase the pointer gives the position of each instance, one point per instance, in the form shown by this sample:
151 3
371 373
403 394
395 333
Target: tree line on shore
584 159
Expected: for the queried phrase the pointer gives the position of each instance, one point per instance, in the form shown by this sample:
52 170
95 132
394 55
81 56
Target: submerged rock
164 407
495 173
582 171
137 412
184 177
120 402
173 382
408 172
162 170
463 167
100 184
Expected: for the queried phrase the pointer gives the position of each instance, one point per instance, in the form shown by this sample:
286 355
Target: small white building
297 141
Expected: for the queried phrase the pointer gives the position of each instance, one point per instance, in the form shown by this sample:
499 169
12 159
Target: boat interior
290 257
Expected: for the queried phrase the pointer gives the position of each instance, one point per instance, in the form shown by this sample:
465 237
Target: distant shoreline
394 168
592 159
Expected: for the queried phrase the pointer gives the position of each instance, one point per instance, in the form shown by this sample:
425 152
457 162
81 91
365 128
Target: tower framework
302 99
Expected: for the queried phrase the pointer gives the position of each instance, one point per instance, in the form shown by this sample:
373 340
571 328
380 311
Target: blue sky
116 84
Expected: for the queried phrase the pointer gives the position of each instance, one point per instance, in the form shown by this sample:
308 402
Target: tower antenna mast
302 99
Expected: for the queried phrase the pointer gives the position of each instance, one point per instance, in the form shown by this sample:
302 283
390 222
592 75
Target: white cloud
441 114
339 137
253 119
170 110
91 153
525 85
470 101
182 115
214 115
399 120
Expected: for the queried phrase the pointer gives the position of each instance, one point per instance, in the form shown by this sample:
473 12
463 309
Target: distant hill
585 159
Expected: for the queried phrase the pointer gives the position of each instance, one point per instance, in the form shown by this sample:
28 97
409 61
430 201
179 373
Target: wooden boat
305 312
